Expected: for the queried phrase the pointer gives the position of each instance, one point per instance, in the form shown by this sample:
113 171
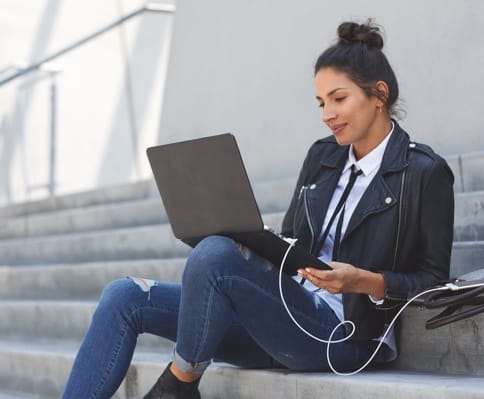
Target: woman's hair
358 53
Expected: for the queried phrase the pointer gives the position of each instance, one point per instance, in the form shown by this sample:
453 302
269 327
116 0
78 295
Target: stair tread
125 193
255 384
141 212
69 349
17 395
73 235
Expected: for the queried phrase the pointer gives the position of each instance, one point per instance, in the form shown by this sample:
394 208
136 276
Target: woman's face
347 110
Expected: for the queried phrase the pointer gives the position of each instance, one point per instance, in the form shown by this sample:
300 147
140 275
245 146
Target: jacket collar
394 158
336 158
380 194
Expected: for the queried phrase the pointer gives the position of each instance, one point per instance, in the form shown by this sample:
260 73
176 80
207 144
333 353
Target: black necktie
340 207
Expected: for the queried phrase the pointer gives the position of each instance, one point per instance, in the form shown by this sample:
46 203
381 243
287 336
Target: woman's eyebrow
332 92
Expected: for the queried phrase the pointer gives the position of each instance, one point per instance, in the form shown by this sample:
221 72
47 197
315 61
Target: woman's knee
210 254
117 295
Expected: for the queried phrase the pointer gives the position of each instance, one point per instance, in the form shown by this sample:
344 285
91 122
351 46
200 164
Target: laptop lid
204 187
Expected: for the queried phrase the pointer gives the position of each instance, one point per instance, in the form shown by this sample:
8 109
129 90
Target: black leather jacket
402 226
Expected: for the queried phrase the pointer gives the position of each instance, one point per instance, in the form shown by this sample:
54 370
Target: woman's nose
328 114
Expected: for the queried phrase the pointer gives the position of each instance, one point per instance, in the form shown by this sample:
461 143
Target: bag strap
463 299
466 296
452 314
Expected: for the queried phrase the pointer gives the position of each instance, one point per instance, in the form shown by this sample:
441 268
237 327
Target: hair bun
368 33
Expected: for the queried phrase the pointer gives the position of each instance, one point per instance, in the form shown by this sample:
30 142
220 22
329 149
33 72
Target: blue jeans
227 308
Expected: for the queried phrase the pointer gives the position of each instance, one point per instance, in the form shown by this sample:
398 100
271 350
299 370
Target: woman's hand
346 278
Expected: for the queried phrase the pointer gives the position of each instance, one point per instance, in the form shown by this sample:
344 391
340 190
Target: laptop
206 191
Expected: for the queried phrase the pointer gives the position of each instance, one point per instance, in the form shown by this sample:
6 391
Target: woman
374 204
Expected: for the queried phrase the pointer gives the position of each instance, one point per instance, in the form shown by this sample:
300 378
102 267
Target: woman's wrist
371 283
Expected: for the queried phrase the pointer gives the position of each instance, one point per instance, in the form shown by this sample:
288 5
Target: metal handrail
149 7
50 71
9 67
46 71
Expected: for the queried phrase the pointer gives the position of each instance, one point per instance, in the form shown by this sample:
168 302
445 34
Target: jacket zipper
400 214
303 188
306 211
296 213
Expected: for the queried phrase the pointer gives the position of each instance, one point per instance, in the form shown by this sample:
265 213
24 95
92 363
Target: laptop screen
204 187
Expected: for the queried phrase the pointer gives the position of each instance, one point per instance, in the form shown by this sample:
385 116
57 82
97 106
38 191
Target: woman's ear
381 92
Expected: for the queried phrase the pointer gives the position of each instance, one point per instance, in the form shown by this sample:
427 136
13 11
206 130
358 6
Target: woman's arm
435 236
346 278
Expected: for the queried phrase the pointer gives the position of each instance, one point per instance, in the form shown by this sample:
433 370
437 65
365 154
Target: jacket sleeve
435 235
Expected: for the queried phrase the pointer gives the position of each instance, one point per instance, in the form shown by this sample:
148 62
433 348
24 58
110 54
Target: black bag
465 298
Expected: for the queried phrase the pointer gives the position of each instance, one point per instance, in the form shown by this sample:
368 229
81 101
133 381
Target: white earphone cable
330 341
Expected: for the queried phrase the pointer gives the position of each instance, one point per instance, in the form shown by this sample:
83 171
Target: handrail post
53 135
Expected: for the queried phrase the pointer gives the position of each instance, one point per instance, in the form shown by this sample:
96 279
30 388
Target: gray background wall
246 67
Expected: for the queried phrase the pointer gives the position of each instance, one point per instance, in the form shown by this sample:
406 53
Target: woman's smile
338 128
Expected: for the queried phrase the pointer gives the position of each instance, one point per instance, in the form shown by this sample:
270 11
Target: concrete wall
109 92
246 67
239 66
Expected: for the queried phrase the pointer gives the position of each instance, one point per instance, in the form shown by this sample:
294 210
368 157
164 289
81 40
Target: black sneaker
170 387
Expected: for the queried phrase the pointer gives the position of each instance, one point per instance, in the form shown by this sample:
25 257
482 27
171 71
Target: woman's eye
321 105
340 99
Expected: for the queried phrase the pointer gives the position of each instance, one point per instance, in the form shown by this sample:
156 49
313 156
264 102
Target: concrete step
83 281
101 217
469 216
271 196
44 369
467 256
142 197
467 170
120 244
455 348
18 395
104 217
58 322
45 320
155 241
109 194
